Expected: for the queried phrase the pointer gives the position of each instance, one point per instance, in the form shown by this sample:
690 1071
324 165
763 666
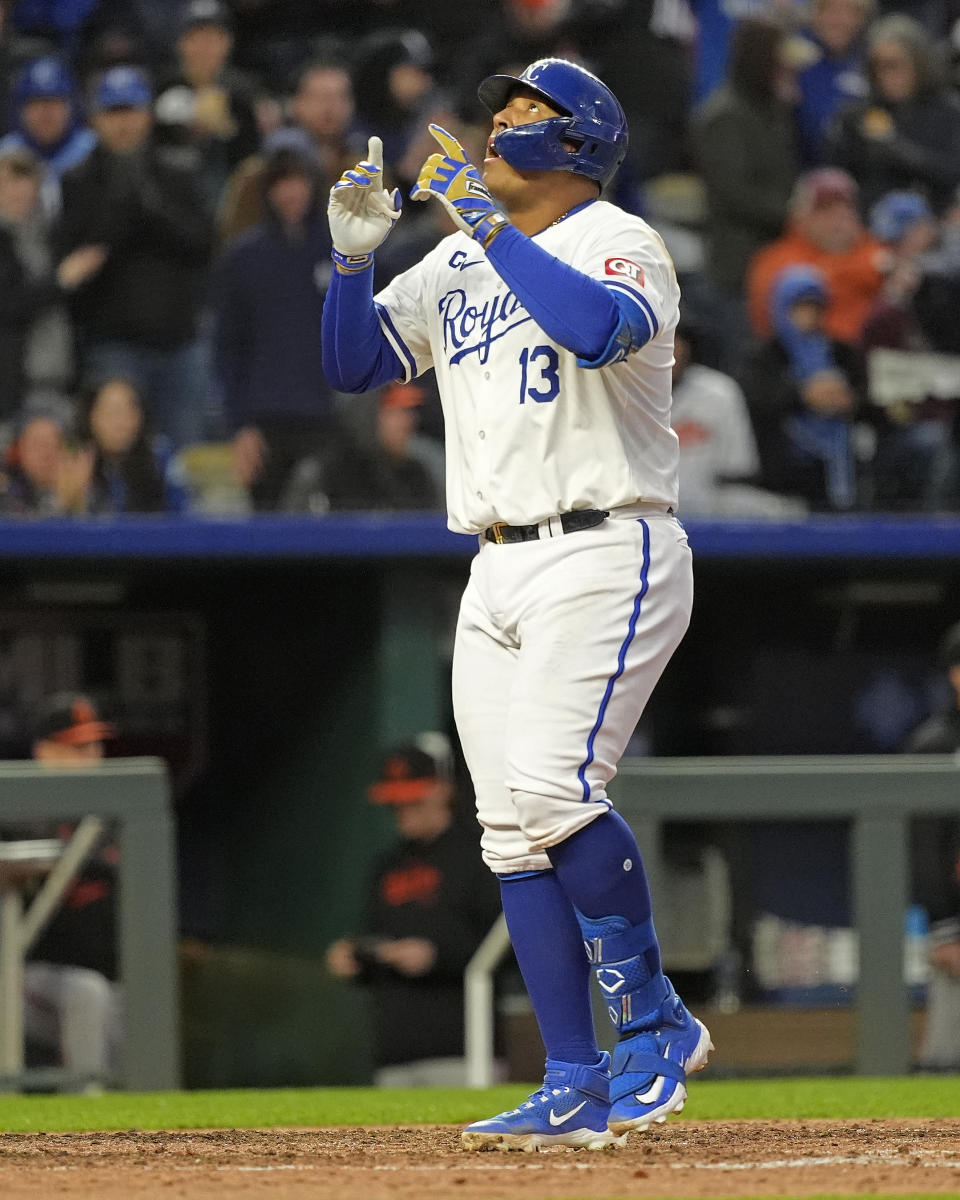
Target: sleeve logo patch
625 267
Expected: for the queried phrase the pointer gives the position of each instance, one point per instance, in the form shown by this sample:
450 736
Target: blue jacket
808 352
61 158
63 16
268 302
110 490
825 87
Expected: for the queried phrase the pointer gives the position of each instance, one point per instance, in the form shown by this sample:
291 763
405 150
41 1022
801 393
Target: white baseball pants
76 1012
559 645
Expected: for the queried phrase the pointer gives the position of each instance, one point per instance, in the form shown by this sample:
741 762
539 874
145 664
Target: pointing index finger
375 152
448 143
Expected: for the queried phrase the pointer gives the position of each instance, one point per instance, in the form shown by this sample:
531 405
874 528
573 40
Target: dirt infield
682 1159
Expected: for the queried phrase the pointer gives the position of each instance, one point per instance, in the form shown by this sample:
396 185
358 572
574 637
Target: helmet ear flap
540 146
593 141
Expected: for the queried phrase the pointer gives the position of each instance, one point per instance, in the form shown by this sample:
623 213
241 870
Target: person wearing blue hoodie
47 121
804 393
832 52
62 22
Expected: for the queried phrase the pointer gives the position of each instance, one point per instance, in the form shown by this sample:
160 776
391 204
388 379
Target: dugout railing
878 796
131 796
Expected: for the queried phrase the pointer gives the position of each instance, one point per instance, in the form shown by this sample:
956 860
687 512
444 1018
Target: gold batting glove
456 183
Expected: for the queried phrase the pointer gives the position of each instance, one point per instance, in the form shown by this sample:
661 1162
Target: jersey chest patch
416 884
626 268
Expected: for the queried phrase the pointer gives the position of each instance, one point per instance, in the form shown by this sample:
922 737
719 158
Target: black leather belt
570 522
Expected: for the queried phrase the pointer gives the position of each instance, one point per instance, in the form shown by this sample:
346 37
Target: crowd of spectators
164 251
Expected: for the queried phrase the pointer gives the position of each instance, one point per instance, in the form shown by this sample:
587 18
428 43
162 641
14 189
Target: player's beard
513 190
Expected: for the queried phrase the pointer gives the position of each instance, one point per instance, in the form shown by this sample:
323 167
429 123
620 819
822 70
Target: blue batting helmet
590 138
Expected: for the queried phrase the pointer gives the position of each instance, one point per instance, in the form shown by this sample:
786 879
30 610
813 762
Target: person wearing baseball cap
72 1000
430 903
47 120
205 12
825 232
68 730
122 87
139 315
399 469
899 214
935 861
206 109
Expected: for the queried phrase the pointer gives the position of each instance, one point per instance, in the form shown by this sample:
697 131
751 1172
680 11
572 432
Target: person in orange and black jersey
73 1007
430 905
399 469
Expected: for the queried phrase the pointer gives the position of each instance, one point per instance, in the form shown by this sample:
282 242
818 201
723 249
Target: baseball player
548 318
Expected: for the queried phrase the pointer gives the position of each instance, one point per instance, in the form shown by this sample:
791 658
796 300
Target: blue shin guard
626 959
660 1042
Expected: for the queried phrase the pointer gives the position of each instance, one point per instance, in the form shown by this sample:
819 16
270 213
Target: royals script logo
469 328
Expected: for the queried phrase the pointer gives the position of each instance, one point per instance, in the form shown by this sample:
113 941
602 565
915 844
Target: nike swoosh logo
555 1120
653 1093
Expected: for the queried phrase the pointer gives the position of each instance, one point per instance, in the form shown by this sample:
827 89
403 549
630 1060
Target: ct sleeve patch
625 267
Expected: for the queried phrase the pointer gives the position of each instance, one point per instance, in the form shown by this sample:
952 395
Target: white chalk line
779 1164
882 1159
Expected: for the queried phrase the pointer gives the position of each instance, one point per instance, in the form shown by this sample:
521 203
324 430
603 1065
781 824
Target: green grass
767 1099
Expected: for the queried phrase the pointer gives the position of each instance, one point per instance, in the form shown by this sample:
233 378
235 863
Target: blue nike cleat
648 1079
571 1109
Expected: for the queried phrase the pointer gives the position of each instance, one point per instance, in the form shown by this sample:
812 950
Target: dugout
268 660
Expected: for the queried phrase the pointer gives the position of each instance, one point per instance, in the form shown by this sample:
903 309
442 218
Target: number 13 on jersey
539 374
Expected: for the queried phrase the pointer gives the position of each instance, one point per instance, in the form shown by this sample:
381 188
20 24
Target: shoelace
538 1098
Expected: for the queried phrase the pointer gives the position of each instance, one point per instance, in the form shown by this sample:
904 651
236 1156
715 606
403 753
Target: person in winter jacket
48 121
802 390
268 301
825 231
126 469
36 339
138 317
906 134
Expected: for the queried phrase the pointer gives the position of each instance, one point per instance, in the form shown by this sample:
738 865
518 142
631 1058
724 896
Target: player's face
46 119
204 51
57 754
323 104
116 417
524 107
40 448
426 817
839 22
894 71
123 130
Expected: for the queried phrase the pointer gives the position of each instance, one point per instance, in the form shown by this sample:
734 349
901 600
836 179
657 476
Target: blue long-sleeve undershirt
577 312
356 355
572 309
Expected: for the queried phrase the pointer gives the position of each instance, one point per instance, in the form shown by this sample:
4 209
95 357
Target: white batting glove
361 212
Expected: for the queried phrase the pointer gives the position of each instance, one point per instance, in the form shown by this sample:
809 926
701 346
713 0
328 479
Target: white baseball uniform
561 640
